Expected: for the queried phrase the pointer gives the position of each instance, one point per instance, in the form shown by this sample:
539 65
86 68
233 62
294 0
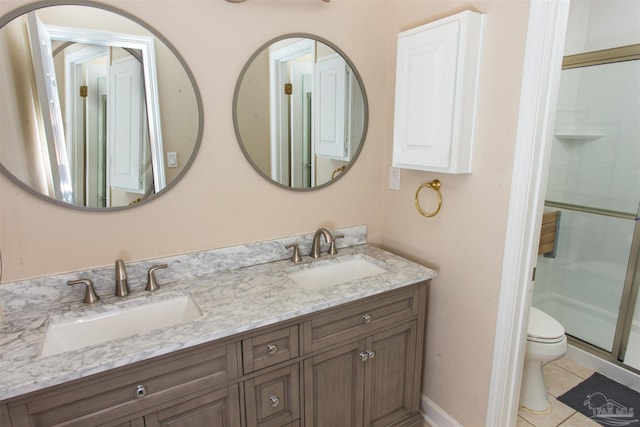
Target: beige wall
222 201
465 241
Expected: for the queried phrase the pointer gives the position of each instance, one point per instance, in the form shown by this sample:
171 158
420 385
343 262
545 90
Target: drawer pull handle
366 355
141 391
275 401
272 348
367 318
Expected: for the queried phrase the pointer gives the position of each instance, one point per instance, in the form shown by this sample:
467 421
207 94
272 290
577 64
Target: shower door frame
631 285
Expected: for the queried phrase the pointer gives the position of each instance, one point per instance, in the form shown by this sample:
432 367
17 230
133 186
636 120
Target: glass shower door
594 181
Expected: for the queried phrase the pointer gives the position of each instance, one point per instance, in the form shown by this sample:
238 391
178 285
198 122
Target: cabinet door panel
390 375
334 386
220 408
425 94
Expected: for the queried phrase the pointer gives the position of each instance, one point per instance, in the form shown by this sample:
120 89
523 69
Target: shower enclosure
591 284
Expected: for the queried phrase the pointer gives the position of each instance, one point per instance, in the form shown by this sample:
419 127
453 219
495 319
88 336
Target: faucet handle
152 284
332 247
296 258
90 295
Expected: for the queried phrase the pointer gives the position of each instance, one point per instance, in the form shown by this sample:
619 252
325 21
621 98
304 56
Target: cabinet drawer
341 324
273 399
270 348
219 408
119 393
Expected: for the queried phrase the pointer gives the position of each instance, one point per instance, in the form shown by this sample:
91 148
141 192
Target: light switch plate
172 159
394 178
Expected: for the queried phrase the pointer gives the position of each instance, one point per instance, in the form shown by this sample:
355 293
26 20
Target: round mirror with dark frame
300 112
98 111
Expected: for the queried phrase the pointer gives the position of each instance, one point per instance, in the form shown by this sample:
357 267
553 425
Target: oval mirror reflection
300 112
97 110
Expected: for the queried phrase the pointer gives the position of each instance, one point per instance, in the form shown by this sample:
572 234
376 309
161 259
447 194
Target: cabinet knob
367 318
141 391
366 355
275 401
272 348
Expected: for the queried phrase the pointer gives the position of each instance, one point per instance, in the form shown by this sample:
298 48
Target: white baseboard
435 415
606 368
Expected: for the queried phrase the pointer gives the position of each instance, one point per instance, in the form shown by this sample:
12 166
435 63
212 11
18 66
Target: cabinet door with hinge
389 375
333 387
220 408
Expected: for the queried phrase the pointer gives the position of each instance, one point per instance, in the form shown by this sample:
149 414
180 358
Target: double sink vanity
239 336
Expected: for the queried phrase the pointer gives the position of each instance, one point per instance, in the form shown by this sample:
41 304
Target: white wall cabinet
436 88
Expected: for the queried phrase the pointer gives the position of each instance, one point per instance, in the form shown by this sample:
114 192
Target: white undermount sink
335 272
71 334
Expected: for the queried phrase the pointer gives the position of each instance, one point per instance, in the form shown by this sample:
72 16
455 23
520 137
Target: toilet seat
544 328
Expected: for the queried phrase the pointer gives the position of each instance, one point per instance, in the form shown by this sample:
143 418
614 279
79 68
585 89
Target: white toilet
546 341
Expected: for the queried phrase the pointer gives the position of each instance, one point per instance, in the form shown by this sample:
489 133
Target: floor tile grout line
567 370
567 419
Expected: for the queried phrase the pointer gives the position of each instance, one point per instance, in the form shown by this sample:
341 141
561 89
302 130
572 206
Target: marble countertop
233 301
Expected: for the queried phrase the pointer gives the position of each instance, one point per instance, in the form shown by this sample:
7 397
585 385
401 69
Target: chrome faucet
122 286
315 246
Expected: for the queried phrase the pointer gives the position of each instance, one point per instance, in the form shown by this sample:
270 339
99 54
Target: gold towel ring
337 171
435 186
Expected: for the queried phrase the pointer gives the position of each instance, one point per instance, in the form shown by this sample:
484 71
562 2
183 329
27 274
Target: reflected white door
330 107
127 131
47 88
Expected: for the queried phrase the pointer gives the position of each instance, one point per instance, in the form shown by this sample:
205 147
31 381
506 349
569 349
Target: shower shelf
578 136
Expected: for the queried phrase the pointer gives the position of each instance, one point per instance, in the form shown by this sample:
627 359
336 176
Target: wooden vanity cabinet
354 365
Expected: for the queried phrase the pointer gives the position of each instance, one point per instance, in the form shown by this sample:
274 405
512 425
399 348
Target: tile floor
561 376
